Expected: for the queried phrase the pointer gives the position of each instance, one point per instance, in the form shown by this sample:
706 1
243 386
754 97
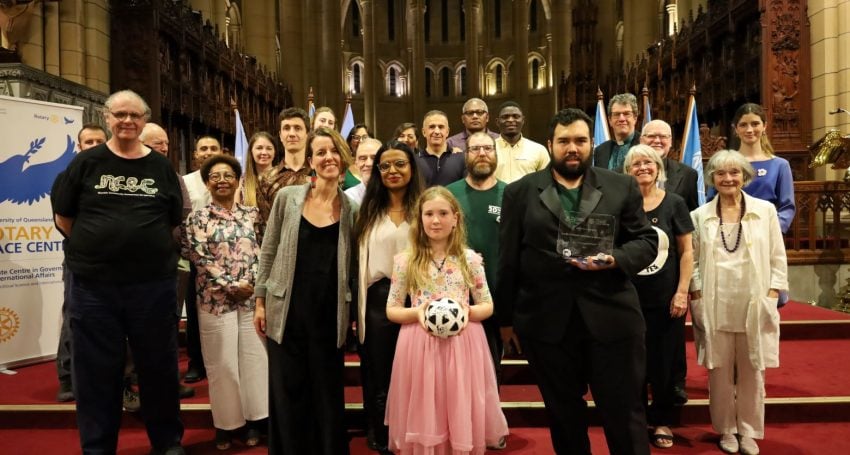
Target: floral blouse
224 245
445 282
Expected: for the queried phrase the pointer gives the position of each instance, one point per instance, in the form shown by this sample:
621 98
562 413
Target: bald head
658 135
155 137
365 157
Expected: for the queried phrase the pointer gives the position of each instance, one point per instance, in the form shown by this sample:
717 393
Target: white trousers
736 401
237 368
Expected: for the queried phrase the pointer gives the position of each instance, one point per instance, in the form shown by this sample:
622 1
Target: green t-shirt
482 211
350 180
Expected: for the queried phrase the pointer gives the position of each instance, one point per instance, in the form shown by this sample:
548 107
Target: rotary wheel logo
9 324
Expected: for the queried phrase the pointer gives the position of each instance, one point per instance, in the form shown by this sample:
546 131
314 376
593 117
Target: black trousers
663 338
307 404
63 353
102 316
193 333
615 373
376 359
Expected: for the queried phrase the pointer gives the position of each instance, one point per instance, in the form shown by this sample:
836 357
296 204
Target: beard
569 171
480 170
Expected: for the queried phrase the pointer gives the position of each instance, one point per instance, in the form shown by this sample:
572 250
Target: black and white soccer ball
444 317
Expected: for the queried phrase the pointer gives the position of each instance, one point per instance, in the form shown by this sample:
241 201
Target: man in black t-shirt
118 204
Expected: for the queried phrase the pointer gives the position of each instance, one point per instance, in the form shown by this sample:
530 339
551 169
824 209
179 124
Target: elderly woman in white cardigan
739 269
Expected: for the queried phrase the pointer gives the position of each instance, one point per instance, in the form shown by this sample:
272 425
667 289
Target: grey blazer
278 253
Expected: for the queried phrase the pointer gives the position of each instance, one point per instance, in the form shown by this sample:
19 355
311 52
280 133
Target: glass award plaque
582 238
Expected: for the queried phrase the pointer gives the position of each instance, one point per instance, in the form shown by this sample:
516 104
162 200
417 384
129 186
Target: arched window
445 78
356 77
429 82
500 79
462 81
392 80
535 74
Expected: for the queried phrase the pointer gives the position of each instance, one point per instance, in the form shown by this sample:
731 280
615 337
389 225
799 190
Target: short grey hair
624 98
475 100
645 151
128 94
725 159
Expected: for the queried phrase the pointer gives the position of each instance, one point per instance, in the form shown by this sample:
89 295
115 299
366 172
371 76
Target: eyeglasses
640 164
477 149
215 178
626 114
360 137
121 116
399 165
658 136
478 112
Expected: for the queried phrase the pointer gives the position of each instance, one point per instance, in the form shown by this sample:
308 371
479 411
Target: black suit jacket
538 292
682 180
602 152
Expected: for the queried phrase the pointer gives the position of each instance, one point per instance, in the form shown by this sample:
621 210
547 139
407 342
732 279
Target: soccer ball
444 317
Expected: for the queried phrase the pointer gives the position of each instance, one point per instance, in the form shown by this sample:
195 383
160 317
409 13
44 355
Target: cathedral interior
195 61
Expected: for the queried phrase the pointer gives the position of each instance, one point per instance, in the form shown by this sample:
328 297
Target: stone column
370 70
72 49
472 10
291 40
97 45
258 31
560 43
30 37
51 38
328 67
415 21
520 70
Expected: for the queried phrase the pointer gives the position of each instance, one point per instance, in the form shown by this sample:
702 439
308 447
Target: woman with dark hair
772 181
355 136
223 242
407 133
302 303
262 157
388 208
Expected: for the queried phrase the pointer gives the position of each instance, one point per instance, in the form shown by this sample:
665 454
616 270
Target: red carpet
803 417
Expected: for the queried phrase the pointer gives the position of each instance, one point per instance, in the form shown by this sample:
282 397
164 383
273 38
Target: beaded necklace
740 227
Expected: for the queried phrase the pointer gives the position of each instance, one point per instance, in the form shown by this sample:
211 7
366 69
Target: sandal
662 440
252 437
222 439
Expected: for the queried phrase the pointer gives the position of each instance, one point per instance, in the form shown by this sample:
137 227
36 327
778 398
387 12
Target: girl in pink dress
443 396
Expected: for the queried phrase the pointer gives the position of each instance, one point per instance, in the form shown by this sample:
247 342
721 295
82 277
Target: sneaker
131 400
748 446
728 443
503 442
65 393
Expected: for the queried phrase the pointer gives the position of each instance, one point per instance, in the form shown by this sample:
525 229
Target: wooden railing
820 233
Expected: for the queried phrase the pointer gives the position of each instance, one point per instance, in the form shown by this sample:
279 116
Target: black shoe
680 397
176 450
65 393
186 391
194 375
252 437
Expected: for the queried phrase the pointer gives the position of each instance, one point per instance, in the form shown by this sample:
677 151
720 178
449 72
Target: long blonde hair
252 177
420 255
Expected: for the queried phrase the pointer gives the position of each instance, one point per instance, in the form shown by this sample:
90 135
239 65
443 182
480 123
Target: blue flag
311 110
692 149
647 112
347 121
240 149
600 125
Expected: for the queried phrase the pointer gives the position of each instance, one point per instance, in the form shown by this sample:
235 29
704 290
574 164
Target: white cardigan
766 249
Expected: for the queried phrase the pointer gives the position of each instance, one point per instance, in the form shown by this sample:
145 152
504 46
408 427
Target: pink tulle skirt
443 396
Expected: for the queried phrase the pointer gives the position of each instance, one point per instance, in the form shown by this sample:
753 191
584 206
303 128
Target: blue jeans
102 316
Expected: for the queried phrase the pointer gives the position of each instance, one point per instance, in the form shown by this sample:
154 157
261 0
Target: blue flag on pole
311 110
692 149
347 121
647 112
600 125
240 149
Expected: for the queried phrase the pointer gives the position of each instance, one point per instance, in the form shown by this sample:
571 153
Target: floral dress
443 395
224 245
